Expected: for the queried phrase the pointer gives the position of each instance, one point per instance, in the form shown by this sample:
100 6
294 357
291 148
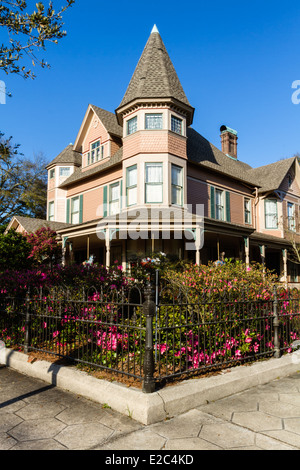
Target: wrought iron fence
153 334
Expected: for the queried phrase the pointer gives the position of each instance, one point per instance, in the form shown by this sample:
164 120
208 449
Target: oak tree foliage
28 33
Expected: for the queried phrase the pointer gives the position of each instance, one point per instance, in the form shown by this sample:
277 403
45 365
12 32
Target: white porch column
247 251
198 246
107 246
285 275
262 249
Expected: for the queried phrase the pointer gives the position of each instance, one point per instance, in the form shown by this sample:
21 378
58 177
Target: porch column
124 255
285 275
262 249
88 247
198 246
247 251
107 246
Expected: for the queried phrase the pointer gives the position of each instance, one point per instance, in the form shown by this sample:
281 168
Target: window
176 125
64 172
271 213
52 173
153 121
247 211
131 185
177 185
75 209
154 183
51 211
114 198
132 125
219 204
291 216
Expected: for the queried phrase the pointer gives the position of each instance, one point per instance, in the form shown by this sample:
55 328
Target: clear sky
236 61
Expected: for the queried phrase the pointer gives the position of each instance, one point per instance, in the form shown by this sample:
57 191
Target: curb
152 408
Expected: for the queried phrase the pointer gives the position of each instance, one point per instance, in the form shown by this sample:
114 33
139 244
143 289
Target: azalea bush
207 316
218 314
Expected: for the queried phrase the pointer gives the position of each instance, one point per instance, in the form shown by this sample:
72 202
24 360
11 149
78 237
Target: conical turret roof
155 75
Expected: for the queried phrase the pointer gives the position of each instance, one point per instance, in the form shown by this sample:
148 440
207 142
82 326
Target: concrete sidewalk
37 416
46 406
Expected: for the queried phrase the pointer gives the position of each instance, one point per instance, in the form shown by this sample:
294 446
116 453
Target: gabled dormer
99 137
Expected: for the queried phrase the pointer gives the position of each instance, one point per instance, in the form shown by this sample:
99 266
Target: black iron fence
153 334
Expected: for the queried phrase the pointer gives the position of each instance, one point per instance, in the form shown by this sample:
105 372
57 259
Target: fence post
149 312
276 325
27 324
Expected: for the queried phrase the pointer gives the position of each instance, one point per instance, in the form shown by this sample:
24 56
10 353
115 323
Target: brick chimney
229 141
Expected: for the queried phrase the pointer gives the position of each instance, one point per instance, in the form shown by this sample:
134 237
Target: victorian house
146 155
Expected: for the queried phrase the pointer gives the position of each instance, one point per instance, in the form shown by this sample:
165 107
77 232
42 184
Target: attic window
290 180
95 153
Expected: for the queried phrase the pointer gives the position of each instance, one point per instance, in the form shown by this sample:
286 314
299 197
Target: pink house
145 167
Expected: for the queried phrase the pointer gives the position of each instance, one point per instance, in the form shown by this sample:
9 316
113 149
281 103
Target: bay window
132 125
153 183
177 185
176 125
153 121
131 185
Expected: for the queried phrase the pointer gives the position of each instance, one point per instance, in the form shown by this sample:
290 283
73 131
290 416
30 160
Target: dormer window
96 153
132 125
153 121
176 125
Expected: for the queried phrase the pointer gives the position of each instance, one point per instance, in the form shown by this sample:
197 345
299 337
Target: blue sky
236 61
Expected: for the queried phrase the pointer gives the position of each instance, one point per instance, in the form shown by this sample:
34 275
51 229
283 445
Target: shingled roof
201 151
31 225
269 177
80 175
155 75
67 156
109 120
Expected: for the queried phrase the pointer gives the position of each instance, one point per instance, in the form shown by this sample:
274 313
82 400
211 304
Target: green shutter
212 203
80 208
105 201
68 211
228 218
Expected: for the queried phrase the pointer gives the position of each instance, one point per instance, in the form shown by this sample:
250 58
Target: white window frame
61 170
51 213
133 122
247 211
131 188
219 207
176 187
157 184
291 216
157 118
114 202
74 213
271 216
52 173
175 121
